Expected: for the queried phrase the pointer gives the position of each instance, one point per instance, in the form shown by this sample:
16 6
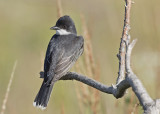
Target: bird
63 50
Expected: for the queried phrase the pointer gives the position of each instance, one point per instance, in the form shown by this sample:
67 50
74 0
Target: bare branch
129 48
125 34
117 90
135 83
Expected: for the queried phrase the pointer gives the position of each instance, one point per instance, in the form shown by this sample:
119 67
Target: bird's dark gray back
67 43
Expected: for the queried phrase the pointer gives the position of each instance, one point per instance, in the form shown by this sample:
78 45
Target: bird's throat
62 32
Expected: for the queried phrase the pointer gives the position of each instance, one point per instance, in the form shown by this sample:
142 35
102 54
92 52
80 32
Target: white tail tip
39 106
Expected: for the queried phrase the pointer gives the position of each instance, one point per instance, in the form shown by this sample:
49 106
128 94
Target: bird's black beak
54 28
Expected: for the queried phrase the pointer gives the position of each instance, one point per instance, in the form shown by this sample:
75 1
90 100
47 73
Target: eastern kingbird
63 50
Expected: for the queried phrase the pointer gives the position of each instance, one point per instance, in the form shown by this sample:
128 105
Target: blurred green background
25 33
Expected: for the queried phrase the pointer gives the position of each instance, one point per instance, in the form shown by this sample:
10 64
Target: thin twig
122 50
8 89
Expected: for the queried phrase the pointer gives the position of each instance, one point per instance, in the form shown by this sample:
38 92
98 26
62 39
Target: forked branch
125 36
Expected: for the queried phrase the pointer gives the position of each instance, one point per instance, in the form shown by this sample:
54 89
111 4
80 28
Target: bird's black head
64 25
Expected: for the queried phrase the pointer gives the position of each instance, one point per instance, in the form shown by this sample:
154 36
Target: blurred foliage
24 35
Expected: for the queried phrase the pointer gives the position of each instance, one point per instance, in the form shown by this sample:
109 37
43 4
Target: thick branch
135 83
125 33
117 90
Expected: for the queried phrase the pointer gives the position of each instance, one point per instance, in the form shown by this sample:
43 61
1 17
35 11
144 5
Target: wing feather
63 66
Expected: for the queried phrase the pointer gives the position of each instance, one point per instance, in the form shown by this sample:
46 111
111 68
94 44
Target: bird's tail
43 96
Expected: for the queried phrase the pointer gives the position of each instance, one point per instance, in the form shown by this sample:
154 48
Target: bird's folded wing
63 65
